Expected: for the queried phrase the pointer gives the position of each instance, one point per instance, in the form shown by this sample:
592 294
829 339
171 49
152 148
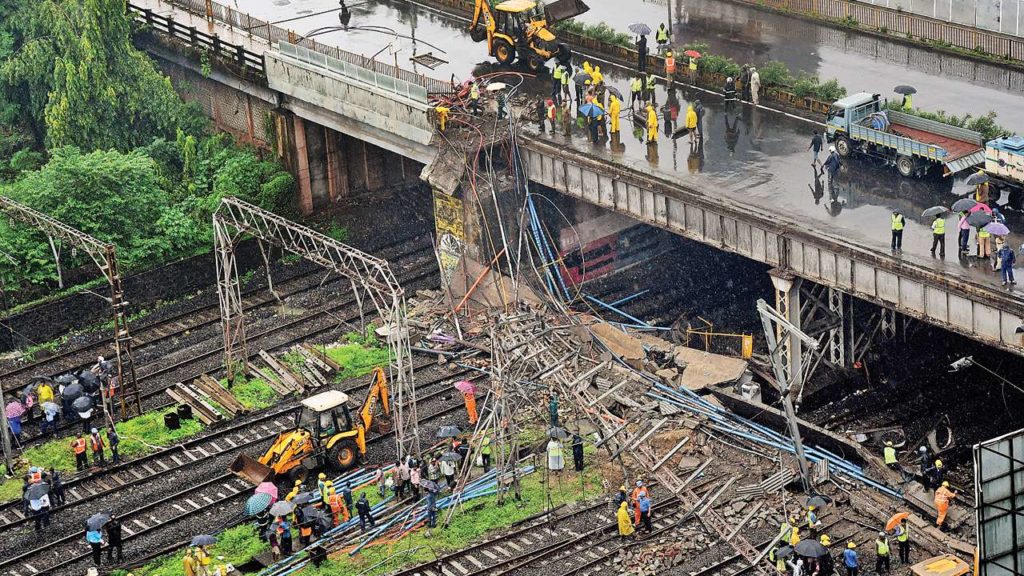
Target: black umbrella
904 89
556 432
82 404
963 205
312 514
582 78
37 490
818 501
640 29
615 91
430 486
90 383
451 457
72 391
304 498
784 552
282 508
66 379
97 521
203 540
448 432
977 178
811 549
979 218
934 211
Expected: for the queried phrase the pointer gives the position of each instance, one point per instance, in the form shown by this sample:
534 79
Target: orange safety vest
37 476
670 65
551 112
97 442
79 445
305 530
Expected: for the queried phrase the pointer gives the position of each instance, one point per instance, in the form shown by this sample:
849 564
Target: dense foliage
92 133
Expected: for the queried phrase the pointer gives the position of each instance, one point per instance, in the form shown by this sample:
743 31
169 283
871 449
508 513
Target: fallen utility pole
104 255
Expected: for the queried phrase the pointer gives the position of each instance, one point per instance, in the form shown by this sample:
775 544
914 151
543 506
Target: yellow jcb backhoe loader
520 27
325 436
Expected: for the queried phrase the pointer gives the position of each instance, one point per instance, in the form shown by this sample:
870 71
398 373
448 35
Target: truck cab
850 110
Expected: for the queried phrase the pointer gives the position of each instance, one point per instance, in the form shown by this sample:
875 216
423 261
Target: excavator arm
378 393
482 9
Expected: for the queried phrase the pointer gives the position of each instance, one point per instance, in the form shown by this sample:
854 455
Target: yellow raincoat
691 118
652 124
625 522
613 113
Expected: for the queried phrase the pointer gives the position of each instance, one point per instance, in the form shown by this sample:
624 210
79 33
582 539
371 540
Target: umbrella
282 508
582 78
963 205
614 91
257 503
448 432
692 53
451 457
810 549
14 409
581 426
979 218
818 501
556 432
997 229
680 132
934 211
430 486
495 86
36 491
89 381
784 552
591 110
82 404
304 498
640 29
268 488
97 521
203 540
66 379
465 386
904 89
50 408
72 391
980 207
896 519
977 178
312 513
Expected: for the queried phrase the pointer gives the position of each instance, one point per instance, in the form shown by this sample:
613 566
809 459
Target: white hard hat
831 148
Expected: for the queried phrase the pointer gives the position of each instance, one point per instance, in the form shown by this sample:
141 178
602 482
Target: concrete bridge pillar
787 302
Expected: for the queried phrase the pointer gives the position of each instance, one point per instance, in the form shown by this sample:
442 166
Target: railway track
165 512
152 333
313 324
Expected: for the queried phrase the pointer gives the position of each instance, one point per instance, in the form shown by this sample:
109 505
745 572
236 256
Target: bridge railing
197 38
355 71
274 35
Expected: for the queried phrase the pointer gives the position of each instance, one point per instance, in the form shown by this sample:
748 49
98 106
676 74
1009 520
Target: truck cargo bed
954 148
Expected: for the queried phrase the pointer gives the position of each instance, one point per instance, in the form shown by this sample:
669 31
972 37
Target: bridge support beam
787 302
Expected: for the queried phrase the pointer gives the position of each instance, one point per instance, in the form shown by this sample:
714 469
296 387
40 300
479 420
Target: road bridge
746 214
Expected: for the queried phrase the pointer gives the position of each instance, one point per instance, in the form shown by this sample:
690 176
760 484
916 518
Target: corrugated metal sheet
999 491
965 162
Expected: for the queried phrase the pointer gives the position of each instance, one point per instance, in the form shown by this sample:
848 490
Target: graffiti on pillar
451 234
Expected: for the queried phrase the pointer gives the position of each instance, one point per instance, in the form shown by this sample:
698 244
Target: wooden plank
287 378
219 394
182 398
313 358
322 356
270 380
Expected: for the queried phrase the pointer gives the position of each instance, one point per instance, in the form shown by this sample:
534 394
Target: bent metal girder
104 255
370 277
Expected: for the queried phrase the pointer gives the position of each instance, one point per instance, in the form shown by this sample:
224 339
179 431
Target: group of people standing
633 509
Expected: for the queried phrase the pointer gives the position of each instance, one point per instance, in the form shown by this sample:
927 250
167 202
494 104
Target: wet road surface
757 156
860 62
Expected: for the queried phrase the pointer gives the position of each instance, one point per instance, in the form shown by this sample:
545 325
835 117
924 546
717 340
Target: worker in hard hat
943 496
786 530
891 462
850 560
780 563
294 491
882 553
936 474
813 522
321 484
825 541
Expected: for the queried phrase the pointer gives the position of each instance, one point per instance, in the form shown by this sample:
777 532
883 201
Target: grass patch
237 545
254 394
358 355
139 436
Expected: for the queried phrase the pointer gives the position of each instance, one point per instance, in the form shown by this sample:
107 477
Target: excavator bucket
563 10
250 469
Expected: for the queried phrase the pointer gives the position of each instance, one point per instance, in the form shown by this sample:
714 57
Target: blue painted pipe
621 301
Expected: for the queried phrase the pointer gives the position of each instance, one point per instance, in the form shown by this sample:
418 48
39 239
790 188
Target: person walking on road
691 123
661 37
614 110
850 560
556 83
965 233
698 107
625 524
984 248
641 53
831 165
745 82
897 223
1007 259
903 541
365 514
651 85
636 89
81 459
943 496
114 539
652 125
882 554
815 148
939 235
